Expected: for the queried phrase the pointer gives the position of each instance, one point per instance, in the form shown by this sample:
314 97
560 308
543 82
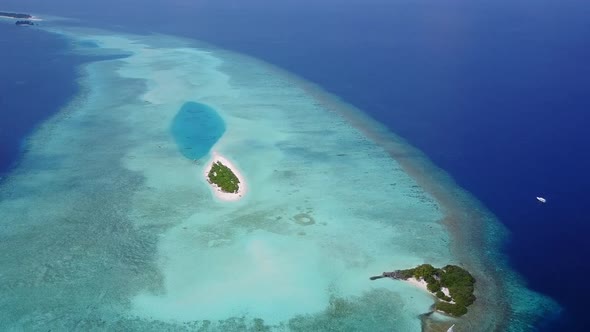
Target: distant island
15 15
452 285
226 180
24 22
23 19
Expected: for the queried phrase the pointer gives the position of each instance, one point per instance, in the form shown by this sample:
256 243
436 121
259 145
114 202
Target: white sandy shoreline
216 190
418 283
422 284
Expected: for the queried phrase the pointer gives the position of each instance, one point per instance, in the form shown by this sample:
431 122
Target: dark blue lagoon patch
196 128
39 73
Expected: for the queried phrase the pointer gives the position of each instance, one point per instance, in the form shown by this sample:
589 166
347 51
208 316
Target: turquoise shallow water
129 237
196 128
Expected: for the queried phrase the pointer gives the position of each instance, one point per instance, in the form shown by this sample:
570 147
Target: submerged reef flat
477 236
117 229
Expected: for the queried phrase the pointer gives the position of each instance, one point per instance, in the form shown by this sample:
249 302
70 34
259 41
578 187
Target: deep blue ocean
496 93
38 77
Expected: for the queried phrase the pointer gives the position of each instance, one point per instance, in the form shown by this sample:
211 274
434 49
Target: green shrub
433 287
406 273
223 177
462 294
454 275
424 271
459 282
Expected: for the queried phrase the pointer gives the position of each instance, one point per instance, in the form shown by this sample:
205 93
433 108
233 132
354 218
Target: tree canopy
457 280
224 178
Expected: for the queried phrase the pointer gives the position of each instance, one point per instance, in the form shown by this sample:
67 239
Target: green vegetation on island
224 178
458 281
15 15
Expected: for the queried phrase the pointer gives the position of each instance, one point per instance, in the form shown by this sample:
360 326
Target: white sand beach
220 194
418 283
424 286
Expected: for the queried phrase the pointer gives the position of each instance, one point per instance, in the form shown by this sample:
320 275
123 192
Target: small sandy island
452 286
217 190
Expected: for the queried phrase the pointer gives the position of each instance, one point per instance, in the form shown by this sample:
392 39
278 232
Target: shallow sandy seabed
108 226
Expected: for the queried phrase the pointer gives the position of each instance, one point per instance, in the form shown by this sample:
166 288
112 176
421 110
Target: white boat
541 199
451 328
